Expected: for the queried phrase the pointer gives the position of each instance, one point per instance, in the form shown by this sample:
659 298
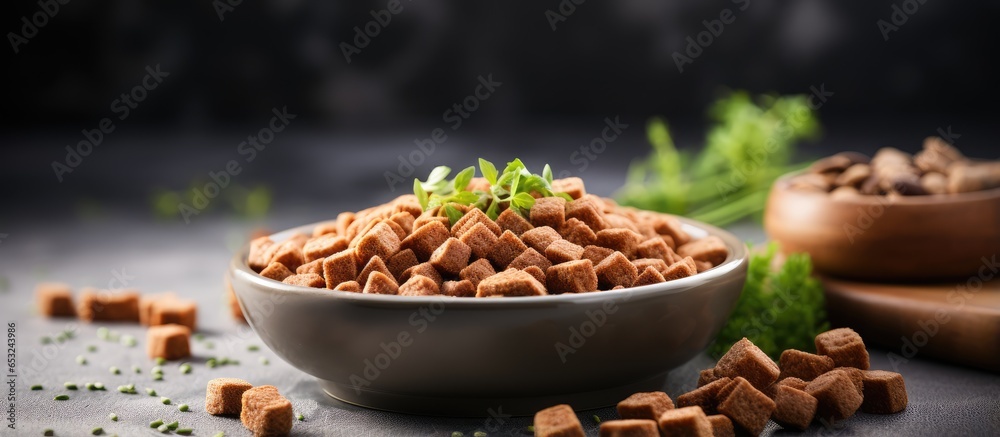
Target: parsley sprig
515 187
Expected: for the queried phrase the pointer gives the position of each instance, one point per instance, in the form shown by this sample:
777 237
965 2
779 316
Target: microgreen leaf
523 200
463 178
547 173
418 190
489 171
453 213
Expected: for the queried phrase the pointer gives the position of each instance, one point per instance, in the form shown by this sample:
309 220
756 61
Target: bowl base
486 406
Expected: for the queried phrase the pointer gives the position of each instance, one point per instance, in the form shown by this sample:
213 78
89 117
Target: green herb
69 333
97 431
136 369
128 340
219 434
127 389
90 386
779 308
300 417
98 386
46 340
264 361
514 188
158 377
165 400
91 348
745 151
209 345
173 425
163 428
211 363
479 434
151 392
113 417
115 370
161 361
103 333
457 434
597 419
70 386
80 359
198 336
62 397
185 368
183 408
185 431
36 387
253 348
530 428
48 432
156 423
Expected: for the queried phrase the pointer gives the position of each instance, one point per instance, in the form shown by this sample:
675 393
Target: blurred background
366 80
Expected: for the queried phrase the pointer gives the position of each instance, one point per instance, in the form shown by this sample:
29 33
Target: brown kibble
225 395
615 270
477 271
530 257
671 226
837 397
463 288
234 303
705 396
596 254
747 407
401 261
571 277
557 421
794 408
537 273
452 256
706 376
721 426
561 251
621 240
811 182
681 269
400 232
747 360
845 347
540 238
571 185
258 248
803 365
937 156
423 269
835 163
856 376
351 286
934 183
290 254
405 221
171 342
276 271
589 210
703 266
794 382
884 392
306 280
687 421
381 240
480 239
324 246
380 283
854 175
510 220
426 238
629 428
507 248
419 285
427 219
656 263
109 305
964 177
344 220
265 412
658 249
340 267
174 311
374 265
54 299
510 283
711 249
548 211
475 215
314 266
645 405
648 276
146 302
577 232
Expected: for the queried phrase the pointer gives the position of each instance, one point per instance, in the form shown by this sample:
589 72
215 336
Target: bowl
470 357
880 238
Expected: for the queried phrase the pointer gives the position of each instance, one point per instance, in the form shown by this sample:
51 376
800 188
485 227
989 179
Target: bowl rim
239 270
784 181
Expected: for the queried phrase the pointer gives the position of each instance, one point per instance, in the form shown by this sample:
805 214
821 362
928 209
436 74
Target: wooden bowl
887 239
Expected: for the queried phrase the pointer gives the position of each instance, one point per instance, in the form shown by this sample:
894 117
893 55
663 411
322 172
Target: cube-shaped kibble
404 220
572 186
571 277
844 346
706 376
463 288
710 249
452 256
510 220
747 360
425 219
324 246
380 283
423 269
680 269
108 305
615 270
306 280
857 377
884 392
537 273
54 299
508 247
625 241
480 239
259 256
686 421
721 426
225 396
548 211
401 261
747 407
618 220
557 421
541 237
314 266
477 271
290 254
340 267
577 232
705 397
475 215
794 382
419 285
510 283
276 271
703 266
656 248
374 265
174 311
587 210
171 342
629 428
381 240
837 397
407 203
400 232
794 408
351 286
425 239
648 277
146 302
265 412
596 254
561 251
803 365
657 264
233 303
530 257
668 225
645 405
344 220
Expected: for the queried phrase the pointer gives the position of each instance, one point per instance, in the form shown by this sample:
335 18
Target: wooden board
952 322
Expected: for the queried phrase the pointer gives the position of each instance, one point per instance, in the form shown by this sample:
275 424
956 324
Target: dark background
354 119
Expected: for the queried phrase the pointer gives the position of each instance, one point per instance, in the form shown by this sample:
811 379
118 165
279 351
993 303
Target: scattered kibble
36 387
300 417
156 423
253 348
151 392
165 400
113 417
173 425
80 359
70 386
209 345
128 340
115 370
183 408
62 397
185 368
185 431
97 431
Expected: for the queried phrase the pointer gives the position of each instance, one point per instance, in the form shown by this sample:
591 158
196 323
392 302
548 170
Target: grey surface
944 399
